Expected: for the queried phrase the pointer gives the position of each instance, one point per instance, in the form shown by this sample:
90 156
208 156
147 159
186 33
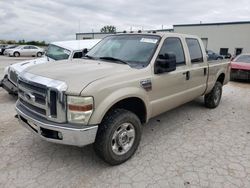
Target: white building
223 38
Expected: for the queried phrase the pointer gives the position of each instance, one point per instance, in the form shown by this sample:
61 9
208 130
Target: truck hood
19 67
77 74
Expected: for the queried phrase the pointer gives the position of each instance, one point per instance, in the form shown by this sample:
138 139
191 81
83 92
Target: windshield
57 53
136 50
243 59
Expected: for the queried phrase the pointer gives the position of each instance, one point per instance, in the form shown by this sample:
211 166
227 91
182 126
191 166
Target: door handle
205 71
187 75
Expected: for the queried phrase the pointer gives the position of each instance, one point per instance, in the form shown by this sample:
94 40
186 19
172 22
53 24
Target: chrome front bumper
55 132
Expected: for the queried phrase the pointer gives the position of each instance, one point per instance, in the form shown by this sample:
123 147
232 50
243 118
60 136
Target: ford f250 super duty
122 82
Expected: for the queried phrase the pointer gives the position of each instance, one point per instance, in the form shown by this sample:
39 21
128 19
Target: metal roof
212 24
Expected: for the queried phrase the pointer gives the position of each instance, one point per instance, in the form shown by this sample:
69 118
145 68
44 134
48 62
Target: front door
169 89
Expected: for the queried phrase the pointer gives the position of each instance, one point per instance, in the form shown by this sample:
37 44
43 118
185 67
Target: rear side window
173 45
194 50
77 55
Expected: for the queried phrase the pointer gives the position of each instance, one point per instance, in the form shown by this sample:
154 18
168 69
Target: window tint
77 55
194 50
26 47
174 46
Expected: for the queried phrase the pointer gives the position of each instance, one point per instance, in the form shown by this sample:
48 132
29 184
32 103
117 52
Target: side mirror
165 63
84 51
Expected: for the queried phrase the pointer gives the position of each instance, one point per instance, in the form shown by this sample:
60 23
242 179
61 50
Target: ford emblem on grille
29 97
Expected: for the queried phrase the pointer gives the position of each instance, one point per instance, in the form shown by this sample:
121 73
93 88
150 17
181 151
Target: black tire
16 54
104 142
39 54
219 58
212 99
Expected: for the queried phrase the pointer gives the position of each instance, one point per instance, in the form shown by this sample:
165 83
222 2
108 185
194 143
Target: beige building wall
219 36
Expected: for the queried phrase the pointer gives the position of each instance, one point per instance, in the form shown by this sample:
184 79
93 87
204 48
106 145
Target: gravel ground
190 146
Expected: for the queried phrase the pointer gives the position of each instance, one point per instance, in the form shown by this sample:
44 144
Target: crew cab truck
123 82
56 51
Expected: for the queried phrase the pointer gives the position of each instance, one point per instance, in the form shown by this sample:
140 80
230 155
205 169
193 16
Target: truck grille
13 76
43 96
33 97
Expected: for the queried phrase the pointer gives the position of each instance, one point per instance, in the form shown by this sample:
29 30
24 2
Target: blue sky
59 19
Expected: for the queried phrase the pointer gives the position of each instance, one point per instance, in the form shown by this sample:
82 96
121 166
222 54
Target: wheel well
133 104
221 78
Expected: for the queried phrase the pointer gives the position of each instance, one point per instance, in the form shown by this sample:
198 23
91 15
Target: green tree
108 29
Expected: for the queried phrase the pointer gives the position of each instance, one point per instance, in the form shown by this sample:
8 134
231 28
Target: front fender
106 103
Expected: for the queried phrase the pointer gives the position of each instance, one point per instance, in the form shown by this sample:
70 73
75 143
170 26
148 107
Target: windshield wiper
114 59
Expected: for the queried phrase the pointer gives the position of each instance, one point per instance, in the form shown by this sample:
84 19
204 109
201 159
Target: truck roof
77 44
161 34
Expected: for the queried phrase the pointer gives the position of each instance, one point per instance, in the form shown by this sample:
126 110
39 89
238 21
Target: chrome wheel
123 139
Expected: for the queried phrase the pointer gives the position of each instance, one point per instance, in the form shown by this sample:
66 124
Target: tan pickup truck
121 83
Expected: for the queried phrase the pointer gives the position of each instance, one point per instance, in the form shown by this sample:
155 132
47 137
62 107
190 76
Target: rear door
169 88
198 67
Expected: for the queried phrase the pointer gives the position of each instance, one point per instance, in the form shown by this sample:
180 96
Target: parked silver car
25 50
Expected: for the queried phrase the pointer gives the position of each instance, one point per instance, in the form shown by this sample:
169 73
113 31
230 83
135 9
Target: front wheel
16 54
118 136
212 99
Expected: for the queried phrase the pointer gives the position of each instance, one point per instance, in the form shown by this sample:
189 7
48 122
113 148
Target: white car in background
56 51
25 50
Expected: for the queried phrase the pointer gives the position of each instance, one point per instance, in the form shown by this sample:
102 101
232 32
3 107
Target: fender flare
115 97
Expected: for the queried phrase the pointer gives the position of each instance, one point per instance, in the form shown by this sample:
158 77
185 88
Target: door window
194 50
33 47
173 45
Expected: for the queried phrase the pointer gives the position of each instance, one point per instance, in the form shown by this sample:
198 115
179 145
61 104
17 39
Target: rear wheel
39 54
212 99
118 136
16 54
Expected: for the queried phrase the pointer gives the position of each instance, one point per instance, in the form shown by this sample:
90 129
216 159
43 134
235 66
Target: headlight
79 109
